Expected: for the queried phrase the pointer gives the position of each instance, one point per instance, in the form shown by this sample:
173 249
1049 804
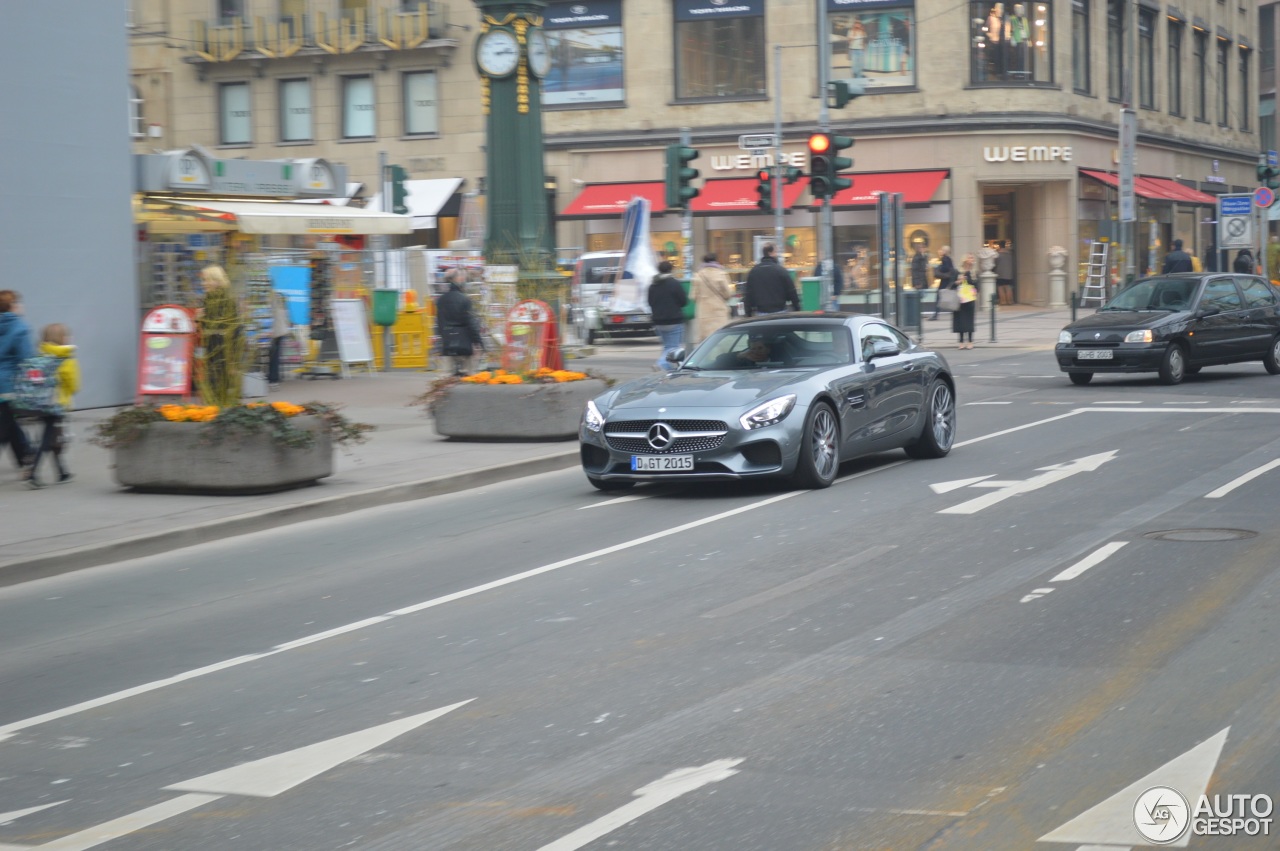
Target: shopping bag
948 300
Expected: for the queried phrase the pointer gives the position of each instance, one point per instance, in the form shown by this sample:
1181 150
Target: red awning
739 195
610 199
917 187
1155 188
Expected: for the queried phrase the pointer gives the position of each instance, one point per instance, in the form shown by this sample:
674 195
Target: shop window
236 118
1115 49
720 49
1011 43
1146 59
358 107
585 42
1176 30
1245 117
1224 82
421 115
1200 47
136 128
295 111
230 12
1081 55
877 45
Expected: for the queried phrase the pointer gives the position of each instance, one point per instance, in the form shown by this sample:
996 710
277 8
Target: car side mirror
1208 310
676 355
884 349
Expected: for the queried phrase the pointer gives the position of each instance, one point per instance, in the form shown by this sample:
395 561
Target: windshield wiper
683 367
1121 309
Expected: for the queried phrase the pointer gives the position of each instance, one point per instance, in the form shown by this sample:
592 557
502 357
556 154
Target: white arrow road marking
1036 595
1247 477
268 777
123 826
1053 474
650 797
1094 558
14 815
947 487
1111 822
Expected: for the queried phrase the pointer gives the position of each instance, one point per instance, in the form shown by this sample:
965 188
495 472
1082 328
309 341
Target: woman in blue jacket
15 347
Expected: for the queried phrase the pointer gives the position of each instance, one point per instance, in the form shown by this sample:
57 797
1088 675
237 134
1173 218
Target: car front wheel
1173 367
939 430
1080 378
1271 360
819 449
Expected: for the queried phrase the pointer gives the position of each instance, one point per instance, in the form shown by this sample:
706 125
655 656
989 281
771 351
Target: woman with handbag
963 320
947 276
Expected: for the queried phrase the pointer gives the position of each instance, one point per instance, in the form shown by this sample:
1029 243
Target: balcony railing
378 29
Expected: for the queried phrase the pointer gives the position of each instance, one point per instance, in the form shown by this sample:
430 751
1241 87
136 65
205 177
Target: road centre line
987 403
1119 402
1245 479
8 730
1092 560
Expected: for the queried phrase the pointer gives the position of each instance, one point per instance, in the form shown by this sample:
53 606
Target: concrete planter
170 458
515 411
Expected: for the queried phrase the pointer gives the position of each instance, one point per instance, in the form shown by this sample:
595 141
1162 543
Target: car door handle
909 366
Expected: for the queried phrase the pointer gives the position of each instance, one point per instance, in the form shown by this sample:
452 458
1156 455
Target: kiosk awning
610 199
917 187
285 218
739 195
426 199
1155 188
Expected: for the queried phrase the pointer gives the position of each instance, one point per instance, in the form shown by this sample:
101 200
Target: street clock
539 52
497 53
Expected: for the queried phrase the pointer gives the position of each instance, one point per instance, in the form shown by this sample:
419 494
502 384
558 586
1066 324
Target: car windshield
1155 294
774 347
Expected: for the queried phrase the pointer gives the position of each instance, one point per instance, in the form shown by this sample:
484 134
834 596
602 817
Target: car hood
730 390
1126 319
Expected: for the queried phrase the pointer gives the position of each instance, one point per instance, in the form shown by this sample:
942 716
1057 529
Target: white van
591 295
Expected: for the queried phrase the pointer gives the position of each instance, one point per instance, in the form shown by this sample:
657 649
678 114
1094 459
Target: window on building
1115 49
1200 47
1224 82
358 107
1245 116
720 49
421 115
136 128
350 9
586 54
230 12
1011 43
1146 59
1267 122
1266 38
293 15
236 124
876 45
1176 30
295 111
1081 78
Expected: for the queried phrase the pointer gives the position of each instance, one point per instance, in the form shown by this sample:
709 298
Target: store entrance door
999 217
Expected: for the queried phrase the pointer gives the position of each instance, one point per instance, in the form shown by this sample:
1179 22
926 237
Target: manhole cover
1200 535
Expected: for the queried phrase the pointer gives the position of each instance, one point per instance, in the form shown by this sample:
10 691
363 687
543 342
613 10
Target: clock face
539 52
497 53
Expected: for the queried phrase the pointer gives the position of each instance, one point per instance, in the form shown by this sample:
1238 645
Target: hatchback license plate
1094 354
661 463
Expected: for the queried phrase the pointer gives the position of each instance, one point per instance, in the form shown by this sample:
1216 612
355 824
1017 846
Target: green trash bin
811 294
689 306
910 309
386 304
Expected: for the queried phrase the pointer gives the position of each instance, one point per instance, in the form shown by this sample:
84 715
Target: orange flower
288 409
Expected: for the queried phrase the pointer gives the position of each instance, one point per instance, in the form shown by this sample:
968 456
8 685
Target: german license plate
1094 354
661 463
639 319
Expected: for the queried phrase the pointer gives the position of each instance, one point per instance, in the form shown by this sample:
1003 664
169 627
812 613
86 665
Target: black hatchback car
1174 325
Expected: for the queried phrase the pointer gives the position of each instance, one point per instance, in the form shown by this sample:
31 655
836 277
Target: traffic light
840 92
791 174
679 175
825 164
765 190
1269 176
397 176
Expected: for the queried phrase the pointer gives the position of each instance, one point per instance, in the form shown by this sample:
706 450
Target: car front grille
690 436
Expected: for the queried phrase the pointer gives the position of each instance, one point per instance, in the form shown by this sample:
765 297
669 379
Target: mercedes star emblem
660 436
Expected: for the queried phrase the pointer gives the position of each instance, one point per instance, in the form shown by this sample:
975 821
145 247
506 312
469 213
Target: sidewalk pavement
91 520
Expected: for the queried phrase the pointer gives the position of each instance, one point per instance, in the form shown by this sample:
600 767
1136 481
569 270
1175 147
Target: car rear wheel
1080 378
939 430
1173 367
819 450
1271 360
609 484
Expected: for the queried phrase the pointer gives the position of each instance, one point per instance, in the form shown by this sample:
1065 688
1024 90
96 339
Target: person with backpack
15 347
45 387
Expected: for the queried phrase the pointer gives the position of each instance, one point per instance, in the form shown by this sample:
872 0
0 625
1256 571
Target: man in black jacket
459 329
1177 260
667 299
769 287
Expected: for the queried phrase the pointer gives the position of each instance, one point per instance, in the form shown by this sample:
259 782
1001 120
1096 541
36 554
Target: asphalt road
968 653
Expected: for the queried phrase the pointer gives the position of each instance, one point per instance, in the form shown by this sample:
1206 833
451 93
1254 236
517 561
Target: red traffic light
763 174
819 143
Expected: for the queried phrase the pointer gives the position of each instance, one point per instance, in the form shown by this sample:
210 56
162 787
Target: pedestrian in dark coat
920 268
769 288
963 320
1244 264
15 347
947 275
1177 260
457 325
667 299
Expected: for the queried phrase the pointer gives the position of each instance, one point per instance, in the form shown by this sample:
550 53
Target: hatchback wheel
1271 360
1173 368
1080 378
819 450
939 430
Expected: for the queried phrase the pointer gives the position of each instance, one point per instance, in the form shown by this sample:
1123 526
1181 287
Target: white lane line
330 633
1185 403
649 798
1117 402
123 826
1003 432
1092 560
987 403
1184 410
614 501
1246 478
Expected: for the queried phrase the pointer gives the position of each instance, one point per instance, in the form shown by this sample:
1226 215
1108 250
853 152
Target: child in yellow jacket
54 344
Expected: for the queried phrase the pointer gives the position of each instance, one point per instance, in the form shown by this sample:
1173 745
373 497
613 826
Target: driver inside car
756 353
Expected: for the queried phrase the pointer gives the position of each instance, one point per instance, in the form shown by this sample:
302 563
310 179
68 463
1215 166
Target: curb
93 555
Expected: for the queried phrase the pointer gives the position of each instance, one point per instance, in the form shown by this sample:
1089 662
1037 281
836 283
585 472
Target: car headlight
769 413
592 418
1138 336
1064 338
